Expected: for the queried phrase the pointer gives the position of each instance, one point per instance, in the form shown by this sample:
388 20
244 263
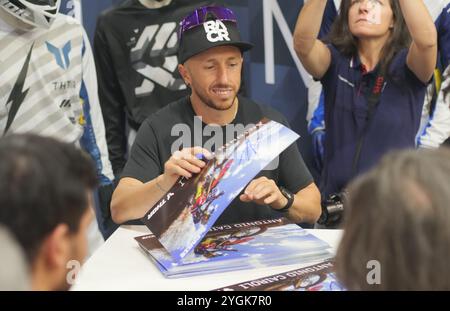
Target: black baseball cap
208 27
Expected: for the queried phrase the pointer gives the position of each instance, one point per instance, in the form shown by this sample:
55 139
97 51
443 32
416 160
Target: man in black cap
168 142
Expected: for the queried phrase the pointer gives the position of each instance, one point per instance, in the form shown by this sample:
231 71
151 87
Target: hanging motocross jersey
49 87
135 50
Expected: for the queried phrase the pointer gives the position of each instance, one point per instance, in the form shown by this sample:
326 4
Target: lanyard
373 97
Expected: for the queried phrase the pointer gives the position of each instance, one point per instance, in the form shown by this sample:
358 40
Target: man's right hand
182 163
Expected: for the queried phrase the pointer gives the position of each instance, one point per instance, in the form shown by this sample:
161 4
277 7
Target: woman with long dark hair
374 68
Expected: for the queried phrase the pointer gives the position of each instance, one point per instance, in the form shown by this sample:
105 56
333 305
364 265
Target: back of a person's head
43 183
398 215
14 271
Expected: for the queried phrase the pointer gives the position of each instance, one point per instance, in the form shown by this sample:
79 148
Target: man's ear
184 74
56 247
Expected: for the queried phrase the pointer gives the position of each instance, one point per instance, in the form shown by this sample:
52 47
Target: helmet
38 13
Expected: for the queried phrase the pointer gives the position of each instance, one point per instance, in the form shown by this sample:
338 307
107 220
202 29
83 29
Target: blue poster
189 209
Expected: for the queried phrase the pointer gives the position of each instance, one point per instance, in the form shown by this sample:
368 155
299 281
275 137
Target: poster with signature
182 217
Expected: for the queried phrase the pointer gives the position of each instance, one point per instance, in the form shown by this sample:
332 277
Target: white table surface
119 264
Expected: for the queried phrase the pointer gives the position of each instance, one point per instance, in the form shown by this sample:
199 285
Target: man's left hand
264 191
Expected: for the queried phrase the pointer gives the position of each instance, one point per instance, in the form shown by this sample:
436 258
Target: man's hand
182 163
264 191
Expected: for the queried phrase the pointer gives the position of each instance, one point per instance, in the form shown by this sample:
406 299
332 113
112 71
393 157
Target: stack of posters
180 220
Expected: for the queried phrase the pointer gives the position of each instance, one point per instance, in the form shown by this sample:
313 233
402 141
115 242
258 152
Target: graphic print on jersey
155 57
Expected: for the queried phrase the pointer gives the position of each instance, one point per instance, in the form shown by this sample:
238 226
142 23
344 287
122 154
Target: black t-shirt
171 125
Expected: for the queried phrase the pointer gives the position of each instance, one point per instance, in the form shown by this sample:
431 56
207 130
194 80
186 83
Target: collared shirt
394 123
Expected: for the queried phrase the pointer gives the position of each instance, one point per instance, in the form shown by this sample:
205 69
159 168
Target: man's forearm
306 206
132 199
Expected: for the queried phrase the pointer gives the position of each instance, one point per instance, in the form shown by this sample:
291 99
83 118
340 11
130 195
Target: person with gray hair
397 225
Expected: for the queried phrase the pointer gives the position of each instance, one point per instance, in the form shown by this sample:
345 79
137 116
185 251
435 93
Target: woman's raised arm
314 55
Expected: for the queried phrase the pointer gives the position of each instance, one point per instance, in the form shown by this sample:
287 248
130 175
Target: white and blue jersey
49 87
435 126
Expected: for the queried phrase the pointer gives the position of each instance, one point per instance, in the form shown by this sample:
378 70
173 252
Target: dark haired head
399 215
43 183
341 36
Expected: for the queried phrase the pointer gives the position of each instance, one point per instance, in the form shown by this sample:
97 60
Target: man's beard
211 104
